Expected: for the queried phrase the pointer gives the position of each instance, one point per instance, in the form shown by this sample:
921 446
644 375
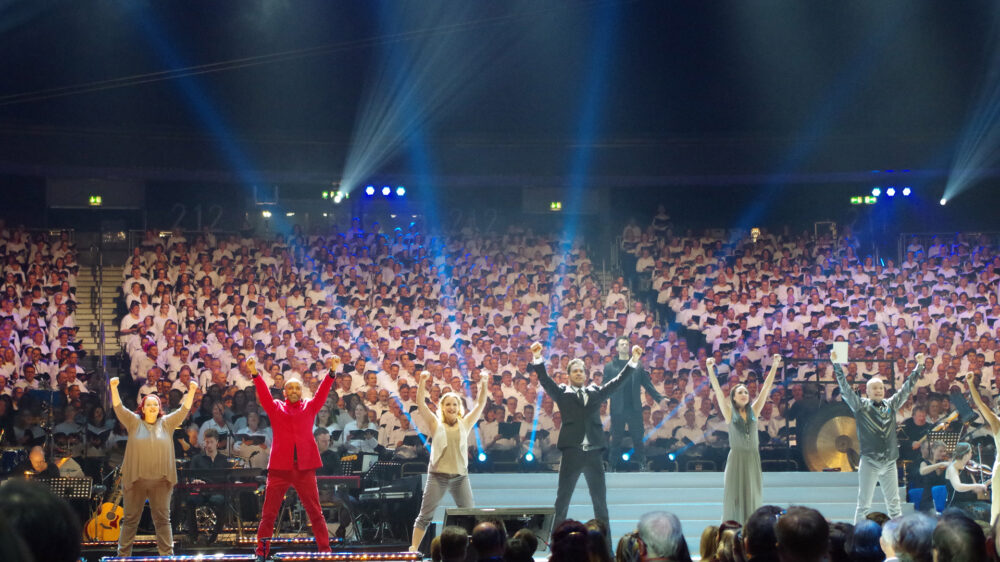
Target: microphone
944 423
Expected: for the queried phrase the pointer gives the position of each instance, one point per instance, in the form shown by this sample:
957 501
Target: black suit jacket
626 400
579 419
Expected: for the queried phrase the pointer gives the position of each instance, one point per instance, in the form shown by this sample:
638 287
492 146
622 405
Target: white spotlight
944 201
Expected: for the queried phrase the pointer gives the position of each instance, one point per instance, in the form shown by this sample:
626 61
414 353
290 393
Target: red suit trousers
304 482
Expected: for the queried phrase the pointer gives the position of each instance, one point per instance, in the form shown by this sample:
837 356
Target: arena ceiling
612 89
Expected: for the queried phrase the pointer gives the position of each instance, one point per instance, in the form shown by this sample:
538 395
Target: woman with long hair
743 481
449 466
149 470
963 493
994 422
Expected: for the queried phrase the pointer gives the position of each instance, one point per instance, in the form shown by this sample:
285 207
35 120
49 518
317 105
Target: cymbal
831 440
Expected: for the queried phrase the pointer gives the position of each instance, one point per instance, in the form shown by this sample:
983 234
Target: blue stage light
671 457
626 457
400 191
370 190
386 190
529 457
891 192
906 192
482 457
876 191
943 201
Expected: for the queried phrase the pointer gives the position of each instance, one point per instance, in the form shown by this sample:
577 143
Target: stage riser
804 496
695 497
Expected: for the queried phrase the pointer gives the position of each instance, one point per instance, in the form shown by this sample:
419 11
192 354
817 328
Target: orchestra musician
994 423
212 458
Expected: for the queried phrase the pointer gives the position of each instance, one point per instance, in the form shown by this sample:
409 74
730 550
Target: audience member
630 548
863 545
598 542
802 534
44 521
759 540
957 538
840 538
570 542
454 543
913 538
730 547
888 539
489 540
521 547
661 537
709 542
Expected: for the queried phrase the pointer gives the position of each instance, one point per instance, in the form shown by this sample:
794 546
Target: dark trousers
618 432
217 502
576 461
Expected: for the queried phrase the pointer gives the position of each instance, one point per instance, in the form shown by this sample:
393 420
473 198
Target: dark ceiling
542 89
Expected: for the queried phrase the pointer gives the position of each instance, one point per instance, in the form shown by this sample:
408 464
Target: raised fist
192 386
536 349
252 365
710 362
114 382
776 360
636 352
920 358
424 375
333 363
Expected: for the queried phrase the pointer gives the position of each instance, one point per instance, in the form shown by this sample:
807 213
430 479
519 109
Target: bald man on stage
294 454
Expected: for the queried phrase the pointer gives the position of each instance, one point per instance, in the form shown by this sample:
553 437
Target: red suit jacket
292 427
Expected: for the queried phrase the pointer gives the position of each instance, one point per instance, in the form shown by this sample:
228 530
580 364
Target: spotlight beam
979 146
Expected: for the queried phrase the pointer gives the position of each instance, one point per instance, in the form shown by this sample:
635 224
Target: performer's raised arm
473 416
128 418
428 416
765 389
904 392
851 398
174 419
318 401
264 397
720 396
985 410
538 365
610 386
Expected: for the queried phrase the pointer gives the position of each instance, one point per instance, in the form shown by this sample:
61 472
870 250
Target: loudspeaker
538 519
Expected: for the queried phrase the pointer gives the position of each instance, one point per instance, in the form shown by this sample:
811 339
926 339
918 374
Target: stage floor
695 497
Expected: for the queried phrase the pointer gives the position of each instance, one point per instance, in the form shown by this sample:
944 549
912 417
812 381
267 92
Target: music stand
68 488
949 438
383 472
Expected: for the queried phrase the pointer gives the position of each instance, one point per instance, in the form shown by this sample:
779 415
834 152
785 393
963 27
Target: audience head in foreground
44 521
662 538
802 534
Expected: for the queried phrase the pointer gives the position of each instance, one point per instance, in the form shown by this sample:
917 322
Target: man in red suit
294 455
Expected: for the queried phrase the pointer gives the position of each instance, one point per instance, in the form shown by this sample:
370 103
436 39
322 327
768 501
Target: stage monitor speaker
538 519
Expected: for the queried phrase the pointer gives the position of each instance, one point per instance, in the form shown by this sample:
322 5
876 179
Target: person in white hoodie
449 466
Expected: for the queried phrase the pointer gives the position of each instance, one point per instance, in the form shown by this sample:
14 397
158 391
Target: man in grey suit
626 406
581 439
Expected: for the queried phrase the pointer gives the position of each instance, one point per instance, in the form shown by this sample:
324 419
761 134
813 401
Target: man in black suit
626 406
581 439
